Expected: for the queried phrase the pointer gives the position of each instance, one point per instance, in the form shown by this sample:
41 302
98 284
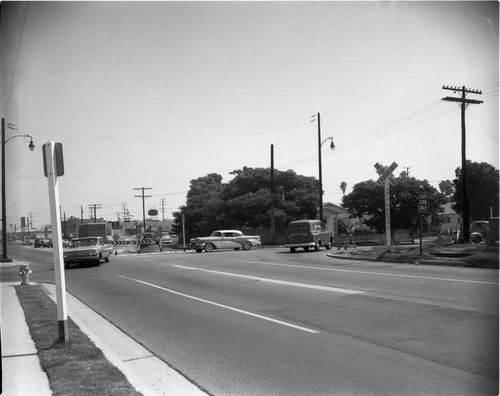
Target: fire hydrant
24 273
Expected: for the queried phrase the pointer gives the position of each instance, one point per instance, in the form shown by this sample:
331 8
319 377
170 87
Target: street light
4 206
332 147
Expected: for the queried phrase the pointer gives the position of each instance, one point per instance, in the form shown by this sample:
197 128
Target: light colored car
93 249
225 239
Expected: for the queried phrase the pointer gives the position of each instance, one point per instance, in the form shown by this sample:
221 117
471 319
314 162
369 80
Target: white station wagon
225 239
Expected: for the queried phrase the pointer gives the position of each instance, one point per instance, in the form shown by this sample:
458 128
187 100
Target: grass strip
75 368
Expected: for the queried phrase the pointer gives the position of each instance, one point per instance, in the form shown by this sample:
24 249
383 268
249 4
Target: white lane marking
376 273
280 282
223 306
348 291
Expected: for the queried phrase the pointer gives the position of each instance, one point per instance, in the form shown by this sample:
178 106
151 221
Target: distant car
42 242
167 239
479 231
225 239
307 234
89 249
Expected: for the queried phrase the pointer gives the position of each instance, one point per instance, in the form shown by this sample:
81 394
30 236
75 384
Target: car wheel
247 245
306 248
292 249
476 239
329 245
106 259
198 250
317 246
209 247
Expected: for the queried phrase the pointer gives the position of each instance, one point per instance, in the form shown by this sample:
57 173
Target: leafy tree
246 201
447 188
367 202
203 207
482 190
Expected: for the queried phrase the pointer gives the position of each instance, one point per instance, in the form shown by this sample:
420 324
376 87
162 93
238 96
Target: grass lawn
74 368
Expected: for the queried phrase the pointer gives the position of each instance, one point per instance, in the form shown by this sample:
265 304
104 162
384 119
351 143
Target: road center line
277 281
223 306
376 273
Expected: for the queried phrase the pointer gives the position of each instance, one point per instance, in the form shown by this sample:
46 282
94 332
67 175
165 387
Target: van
307 234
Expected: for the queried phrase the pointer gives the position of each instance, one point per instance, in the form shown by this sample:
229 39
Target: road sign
423 203
115 225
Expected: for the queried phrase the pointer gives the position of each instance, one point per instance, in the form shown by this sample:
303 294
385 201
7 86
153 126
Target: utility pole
143 202
162 201
464 103
95 207
273 197
407 171
320 172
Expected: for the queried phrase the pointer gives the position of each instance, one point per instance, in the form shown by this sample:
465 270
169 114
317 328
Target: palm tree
343 187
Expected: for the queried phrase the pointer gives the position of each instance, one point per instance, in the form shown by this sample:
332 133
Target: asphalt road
266 321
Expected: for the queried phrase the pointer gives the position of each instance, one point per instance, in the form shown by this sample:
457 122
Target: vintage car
307 234
89 249
225 239
479 231
42 242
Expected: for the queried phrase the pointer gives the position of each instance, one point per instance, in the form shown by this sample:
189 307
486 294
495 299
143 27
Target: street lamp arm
31 146
332 145
12 137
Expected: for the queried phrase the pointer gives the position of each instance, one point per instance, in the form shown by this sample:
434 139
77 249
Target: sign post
385 174
54 167
422 208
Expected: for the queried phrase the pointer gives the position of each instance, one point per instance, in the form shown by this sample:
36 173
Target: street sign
115 225
422 203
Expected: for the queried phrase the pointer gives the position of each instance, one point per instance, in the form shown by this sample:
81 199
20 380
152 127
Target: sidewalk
23 375
21 371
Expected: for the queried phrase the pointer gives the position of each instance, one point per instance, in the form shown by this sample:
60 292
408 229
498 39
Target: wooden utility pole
93 208
162 200
320 182
273 197
464 103
143 202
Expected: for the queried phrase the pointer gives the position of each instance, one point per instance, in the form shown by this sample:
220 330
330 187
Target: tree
482 190
367 202
203 206
343 187
447 188
245 201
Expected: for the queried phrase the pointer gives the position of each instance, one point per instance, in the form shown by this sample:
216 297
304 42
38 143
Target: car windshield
83 242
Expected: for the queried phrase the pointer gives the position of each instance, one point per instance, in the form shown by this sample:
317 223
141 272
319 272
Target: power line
17 56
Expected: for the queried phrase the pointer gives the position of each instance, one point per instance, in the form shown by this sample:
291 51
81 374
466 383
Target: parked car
93 249
42 242
225 239
479 231
307 234
166 239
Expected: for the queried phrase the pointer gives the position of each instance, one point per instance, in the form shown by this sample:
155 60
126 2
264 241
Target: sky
156 94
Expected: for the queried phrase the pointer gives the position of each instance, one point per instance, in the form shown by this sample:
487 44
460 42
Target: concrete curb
147 373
